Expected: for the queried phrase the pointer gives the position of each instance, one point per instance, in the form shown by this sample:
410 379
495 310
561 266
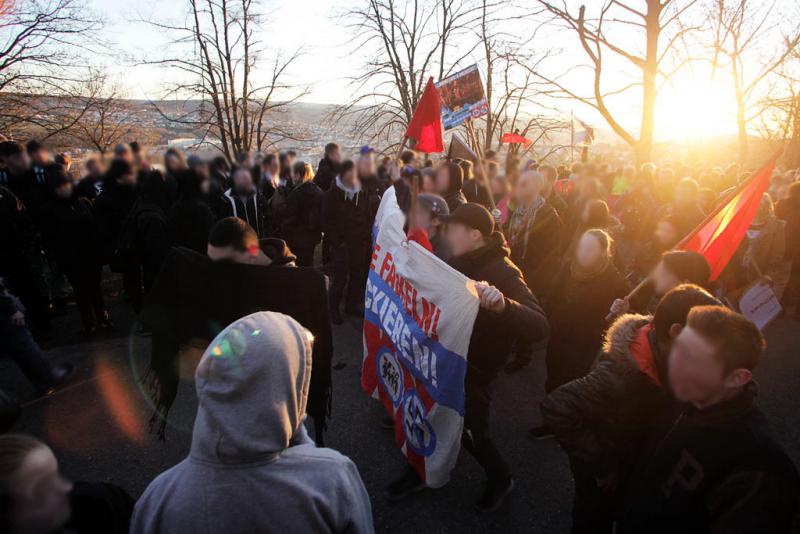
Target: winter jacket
716 470
453 196
69 231
111 208
32 189
89 187
346 216
17 232
326 174
152 241
493 333
604 418
252 466
537 252
576 310
474 191
788 209
301 226
189 221
251 208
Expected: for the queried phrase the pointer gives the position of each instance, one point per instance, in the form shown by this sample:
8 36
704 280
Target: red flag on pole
515 139
719 235
426 124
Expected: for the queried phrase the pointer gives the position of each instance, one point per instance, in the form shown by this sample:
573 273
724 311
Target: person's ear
738 378
674 330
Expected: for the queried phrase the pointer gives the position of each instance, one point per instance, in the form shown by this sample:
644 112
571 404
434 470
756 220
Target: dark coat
89 187
194 297
576 309
69 231
717 470
453 196
539 257
301 226
346 221
253 210
788 209
111 208
474 191
189 222
493 333
32 189
604 418
326 174
17 232
152 241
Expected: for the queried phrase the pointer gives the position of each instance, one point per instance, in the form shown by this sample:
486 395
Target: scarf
582 275
521 222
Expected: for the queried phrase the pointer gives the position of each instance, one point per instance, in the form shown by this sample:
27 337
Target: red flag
719 235
515 139
426 124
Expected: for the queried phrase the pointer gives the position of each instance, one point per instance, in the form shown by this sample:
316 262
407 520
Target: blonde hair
603 237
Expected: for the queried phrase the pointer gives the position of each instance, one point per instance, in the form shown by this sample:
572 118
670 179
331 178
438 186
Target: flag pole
720 206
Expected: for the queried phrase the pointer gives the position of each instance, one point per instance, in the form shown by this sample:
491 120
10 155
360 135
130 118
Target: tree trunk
644 147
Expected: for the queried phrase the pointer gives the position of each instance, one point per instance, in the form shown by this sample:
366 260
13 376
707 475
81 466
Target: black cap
435 204
474 216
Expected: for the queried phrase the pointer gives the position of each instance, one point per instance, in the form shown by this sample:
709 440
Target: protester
37 499
602 420
474 188
91 185
431 212
190 219
270 178
244 201
508 311
788 209
715 465
219 171
449 180
328 167
114 203
300 223
347 226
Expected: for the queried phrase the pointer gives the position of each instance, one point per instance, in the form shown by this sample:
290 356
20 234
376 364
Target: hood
278 251
622 333
252 387
349 191
456 182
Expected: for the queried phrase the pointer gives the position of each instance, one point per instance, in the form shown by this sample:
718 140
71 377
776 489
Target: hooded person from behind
252 466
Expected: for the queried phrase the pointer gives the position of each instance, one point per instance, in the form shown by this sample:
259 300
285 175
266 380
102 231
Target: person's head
490 156
139 155
197 165
409 157
595 214
467 169
60 184
430 210
174 161
121 172
766 211
468 228
593 250
366 162
244 159
232 239
548 173
290 157
500 187
529 186
34 498
14 157
428 183
348 174
686 192
272 164
242 180
668 231
123 152
302 172
219 165
492 169
680 267
332 153
713 358
706 199
94 168
38 153
449 178
672 310
63 160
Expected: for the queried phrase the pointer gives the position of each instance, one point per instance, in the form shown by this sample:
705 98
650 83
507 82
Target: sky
689 109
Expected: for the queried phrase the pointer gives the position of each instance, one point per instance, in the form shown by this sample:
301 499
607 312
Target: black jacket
89 187
717 470
576 309
190 219
32 189
111 208
475 191
253 210
346 221
152 239
300 225
70 232
17 232
453 196
604 418
493 333
326 174
539 257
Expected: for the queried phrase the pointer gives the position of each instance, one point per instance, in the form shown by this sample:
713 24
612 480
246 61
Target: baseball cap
366 149
435 204
474 216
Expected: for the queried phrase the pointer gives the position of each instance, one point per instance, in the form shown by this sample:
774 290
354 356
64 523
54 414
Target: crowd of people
650 393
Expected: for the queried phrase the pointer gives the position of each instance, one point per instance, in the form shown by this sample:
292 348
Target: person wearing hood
219 170
346 222
300 224
252 466
473 188
244 201
714 465
508 311
70 232
593 419
190 219
449 180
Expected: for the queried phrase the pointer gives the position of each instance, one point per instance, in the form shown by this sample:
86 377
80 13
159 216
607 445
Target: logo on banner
391 376
419 432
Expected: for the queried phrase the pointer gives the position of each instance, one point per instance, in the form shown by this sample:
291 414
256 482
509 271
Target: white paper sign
760 305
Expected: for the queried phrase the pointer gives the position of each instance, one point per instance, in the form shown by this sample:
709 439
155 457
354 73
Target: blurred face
41 496
666 234
366 165
428 183
205 185
528 188
463 239
663 279
349 177
40 157
243 181
442 180
589 252
424 218
696 373
172 162
202 169
64 191
685 195
274 167
140 159
94 168
124 154
335 155
18 163
127 179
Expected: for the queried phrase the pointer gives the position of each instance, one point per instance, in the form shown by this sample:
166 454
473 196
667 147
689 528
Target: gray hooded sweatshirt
252 467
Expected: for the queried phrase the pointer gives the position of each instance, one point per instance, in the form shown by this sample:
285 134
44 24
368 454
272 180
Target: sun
692 111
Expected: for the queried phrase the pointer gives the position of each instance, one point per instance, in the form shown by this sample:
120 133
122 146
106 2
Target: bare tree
778 110
741 28
622 35
408 41
230 101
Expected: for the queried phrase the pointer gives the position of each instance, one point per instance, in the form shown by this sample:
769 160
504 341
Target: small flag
426 124
515 139
719 235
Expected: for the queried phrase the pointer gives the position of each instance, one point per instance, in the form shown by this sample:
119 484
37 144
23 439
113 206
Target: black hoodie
190 218
326 173
453 196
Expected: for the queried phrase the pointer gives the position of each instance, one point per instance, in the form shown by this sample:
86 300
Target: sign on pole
462 97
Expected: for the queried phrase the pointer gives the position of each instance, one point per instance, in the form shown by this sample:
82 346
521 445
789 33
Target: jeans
475 438
16 341
348 269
